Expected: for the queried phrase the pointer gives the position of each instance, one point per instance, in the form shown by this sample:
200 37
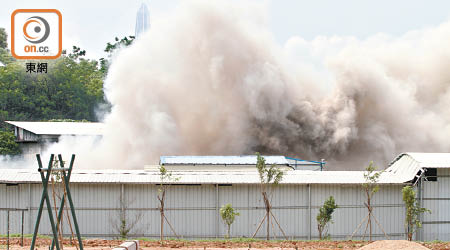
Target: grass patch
233 240
26 236
435 241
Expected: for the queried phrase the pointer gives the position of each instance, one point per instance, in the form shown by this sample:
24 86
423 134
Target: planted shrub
228 215
325 216
413 211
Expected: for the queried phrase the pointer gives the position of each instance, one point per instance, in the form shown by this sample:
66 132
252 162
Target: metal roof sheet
407 165
61 128
200 177
431 160
220 160
403 169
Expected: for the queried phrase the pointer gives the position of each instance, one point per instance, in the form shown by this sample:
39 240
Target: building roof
402 170
220 160
408 165
199 177
61 128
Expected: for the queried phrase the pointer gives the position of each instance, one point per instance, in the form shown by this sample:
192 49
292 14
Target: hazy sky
92 23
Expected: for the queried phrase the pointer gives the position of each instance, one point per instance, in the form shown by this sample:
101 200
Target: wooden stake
259 226
360 224
279 226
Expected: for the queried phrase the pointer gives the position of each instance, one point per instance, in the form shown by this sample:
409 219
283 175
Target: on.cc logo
39 29
36 34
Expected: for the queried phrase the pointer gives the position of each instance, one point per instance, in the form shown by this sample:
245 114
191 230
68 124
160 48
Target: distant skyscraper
142 20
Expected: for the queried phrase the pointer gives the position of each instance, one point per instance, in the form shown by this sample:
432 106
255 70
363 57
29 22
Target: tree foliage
3 39
268 175
76 53
72 88
8 146
124 42
228 215
165 176
371 177
370 187
5 55
113 47
324 217
413 211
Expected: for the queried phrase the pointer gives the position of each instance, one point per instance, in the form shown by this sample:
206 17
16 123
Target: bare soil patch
394 245
100 244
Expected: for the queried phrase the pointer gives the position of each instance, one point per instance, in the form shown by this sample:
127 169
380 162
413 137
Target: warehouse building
34 137
193 202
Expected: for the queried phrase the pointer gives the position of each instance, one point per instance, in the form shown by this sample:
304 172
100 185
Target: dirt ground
394 245
99 244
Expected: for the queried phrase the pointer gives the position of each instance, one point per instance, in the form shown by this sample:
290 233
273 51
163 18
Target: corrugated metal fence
193 210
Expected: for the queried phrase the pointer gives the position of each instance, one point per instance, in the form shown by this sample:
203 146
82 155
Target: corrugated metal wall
193 210
436 197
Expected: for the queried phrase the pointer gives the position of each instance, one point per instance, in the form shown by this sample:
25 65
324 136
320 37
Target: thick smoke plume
210 80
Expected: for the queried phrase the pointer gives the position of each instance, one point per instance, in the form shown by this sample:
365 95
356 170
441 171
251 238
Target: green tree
325 215
113 47
269 177
370 187
76 53
5 55
3 39
413 211
124 42
228 215
71 89
8 145
165 176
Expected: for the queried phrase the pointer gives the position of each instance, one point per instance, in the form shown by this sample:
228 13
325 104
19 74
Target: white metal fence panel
193 209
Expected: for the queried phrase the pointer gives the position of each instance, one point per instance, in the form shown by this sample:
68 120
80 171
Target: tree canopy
71 89
7 144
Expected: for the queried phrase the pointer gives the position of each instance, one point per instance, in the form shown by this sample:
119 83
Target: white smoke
210 79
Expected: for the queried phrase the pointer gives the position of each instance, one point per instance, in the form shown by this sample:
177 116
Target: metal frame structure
45 198
307 162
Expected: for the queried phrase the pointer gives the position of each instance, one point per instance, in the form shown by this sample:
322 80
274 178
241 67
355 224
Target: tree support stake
45 177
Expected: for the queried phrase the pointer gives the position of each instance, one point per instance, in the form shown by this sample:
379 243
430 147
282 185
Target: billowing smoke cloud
210 79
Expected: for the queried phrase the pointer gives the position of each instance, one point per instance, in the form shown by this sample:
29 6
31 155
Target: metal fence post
122 206
419 194
30 224
309 211
7 229
217 211
21 232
